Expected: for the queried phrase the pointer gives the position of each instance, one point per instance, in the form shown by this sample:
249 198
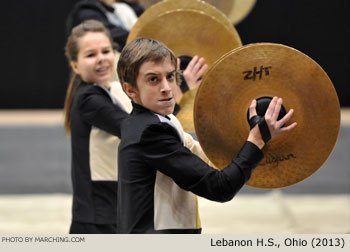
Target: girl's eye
106 51
90 55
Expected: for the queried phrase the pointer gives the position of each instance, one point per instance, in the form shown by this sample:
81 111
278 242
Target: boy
158 176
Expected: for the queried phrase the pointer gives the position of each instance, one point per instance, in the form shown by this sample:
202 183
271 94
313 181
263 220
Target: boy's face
156 85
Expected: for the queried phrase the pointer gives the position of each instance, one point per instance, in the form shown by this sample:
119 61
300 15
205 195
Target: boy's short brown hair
139 51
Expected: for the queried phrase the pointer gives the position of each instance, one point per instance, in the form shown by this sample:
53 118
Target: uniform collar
137 108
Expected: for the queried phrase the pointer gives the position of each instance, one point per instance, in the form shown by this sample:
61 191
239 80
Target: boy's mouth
167 99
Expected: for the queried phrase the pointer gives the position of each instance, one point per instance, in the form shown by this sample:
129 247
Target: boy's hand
194 72
274 126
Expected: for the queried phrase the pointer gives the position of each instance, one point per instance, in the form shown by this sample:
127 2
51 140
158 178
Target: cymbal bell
267 70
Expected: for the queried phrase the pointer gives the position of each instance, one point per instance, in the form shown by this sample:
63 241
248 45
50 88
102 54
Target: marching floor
270 213
35 187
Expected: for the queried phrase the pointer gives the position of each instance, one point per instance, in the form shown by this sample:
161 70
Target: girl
93 117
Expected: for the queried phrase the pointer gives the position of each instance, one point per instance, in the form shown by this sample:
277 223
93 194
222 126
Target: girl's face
95 61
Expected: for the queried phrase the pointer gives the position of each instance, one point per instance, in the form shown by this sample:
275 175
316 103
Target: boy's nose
165 86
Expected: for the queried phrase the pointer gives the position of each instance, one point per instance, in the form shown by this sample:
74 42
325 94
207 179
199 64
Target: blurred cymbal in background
235 10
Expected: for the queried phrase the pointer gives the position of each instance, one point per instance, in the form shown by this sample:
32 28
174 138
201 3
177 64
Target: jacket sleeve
164 152
99 111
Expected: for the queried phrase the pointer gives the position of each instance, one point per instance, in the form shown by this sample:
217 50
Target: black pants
90 228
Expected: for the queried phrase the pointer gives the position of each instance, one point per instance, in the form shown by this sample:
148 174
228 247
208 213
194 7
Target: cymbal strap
263 127
254 121
264 130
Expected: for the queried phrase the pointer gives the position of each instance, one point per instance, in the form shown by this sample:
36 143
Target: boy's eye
90 55
153 79
106 51
171 76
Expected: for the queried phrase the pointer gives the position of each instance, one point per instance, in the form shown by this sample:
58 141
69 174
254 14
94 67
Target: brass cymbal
183 32
235 10
266 70
161 7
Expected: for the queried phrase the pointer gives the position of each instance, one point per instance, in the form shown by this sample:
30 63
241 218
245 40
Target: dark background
33 66
35 72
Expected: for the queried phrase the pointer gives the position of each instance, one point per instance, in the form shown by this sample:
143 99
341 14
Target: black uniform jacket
150 144
95 127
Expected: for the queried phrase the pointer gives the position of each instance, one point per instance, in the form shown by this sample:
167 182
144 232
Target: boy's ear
74 66
130 91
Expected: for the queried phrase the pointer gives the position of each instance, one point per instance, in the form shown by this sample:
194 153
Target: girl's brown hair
71 52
